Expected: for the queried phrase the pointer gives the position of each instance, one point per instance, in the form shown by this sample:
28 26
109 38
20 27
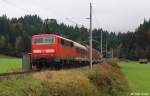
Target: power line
101 33
24 9
44 8
65 18
14 5
68 19
72 21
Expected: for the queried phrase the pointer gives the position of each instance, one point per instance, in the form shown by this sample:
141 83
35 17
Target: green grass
138 75
25 86
66 82
5 56
8 63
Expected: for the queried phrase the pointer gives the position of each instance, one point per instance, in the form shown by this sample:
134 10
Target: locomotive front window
49 40
38 40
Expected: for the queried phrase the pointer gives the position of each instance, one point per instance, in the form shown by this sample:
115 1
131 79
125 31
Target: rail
10 74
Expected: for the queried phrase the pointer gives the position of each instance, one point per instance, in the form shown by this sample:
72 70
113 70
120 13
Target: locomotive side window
38 40
66 43
62 41
71 44
49 40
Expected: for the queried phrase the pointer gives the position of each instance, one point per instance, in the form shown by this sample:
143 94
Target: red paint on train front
44 45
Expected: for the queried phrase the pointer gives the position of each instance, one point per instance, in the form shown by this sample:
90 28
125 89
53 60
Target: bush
67 83
113 62
107 83
103 80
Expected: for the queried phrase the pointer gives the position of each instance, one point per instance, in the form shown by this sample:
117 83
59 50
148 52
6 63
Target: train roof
43 35
75 43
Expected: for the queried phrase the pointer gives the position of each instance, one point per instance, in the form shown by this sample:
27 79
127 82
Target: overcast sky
111 15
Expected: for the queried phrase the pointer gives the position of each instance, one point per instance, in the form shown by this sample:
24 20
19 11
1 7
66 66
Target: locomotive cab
43 48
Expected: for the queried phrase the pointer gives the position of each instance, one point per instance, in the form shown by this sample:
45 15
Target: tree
18 44
2 43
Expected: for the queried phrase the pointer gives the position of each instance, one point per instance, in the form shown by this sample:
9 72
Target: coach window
49 40
71 44
38 40
66 43
62 41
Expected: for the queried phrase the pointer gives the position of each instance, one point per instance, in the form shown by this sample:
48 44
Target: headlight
49 50
37 51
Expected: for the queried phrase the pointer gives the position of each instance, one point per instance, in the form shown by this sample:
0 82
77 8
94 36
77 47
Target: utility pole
90 36
101 43
106 46
112 53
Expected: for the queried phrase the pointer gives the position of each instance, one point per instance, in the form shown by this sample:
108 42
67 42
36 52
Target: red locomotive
53 50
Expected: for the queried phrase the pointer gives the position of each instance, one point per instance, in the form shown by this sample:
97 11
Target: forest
16 33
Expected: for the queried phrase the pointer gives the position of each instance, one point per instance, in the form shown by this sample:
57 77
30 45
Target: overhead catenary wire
73 22
68 19
101 33
18 7
8 2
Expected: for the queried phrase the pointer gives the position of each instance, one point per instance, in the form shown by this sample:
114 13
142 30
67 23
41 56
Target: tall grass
85 82
68 83
103 80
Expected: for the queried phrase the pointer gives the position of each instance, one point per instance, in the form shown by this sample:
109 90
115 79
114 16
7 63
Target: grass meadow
103 80
138 76
9 64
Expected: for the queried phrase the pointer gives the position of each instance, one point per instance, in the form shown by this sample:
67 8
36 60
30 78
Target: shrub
103 80
67 83
107 83
113 62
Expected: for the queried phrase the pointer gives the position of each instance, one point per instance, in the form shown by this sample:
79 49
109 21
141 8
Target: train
56 51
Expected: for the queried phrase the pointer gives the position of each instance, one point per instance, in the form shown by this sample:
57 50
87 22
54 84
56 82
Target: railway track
11 74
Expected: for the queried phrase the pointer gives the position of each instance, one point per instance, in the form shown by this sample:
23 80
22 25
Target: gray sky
111 15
